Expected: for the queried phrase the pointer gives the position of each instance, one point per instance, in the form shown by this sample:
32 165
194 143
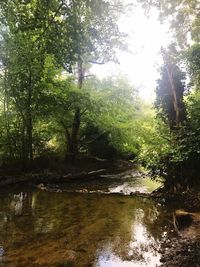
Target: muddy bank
182 253
188 199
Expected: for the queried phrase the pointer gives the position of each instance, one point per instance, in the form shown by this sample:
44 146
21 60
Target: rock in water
1 251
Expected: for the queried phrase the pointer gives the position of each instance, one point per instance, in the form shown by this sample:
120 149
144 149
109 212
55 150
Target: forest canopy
52 106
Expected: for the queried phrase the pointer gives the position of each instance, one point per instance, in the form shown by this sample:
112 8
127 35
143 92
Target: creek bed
41 228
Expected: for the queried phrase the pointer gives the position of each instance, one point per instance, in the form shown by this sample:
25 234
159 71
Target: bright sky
140 65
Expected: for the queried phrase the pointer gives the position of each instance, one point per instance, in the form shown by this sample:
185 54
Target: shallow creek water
40 228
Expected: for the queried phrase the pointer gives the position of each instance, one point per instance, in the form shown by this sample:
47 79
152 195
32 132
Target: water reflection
65 229
126 182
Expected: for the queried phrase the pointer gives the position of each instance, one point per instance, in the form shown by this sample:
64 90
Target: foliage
50 104
177 153
167 99
113 113
174 152
193 62
39 41
183 17
108 114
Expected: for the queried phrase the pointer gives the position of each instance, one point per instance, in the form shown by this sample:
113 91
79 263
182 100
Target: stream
84 228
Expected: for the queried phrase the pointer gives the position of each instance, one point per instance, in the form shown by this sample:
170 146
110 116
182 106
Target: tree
23 62
62 34
108 109
183 17
111 120
193 64
94 33
177 157
170 92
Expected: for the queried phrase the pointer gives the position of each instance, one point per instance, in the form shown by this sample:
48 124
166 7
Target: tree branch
83 112
97 62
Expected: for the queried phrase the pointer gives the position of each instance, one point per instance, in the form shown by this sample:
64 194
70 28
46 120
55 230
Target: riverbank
61 172
188 199
183 252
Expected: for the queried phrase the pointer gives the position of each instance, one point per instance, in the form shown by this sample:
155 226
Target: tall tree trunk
174 96
30 140
6 118
73 145
29 124
23 145
73 140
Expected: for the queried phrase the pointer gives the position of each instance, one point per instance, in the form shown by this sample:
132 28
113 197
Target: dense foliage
51 105
175 153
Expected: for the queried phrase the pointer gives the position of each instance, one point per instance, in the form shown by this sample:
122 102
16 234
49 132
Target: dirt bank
182 253
185 250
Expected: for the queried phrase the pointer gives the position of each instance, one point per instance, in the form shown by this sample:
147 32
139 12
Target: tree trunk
30 140
73 140
73 144
23 145
6 118
29 124
174 96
